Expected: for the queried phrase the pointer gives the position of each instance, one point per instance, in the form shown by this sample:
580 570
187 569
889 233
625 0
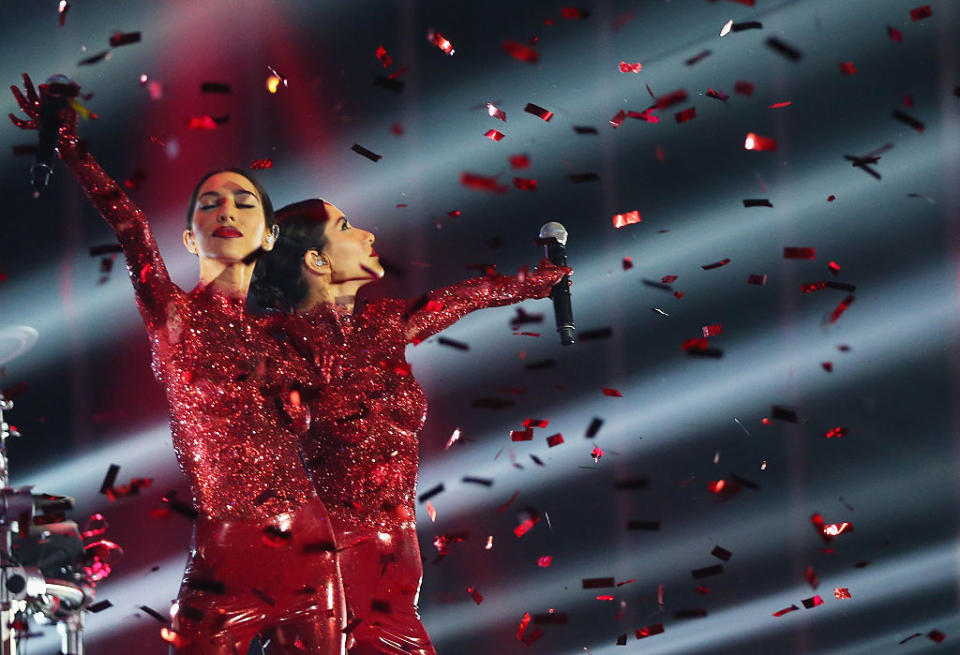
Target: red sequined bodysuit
263 559
362 444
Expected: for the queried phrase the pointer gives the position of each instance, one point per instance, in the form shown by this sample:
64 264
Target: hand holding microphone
52 113
554 237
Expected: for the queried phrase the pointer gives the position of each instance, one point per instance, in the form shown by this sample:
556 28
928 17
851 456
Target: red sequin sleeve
439 309
151 282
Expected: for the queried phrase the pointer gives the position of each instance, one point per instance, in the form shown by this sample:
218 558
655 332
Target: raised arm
439 309
151 282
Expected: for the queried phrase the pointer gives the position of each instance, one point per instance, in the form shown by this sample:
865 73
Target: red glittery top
217 367
366 408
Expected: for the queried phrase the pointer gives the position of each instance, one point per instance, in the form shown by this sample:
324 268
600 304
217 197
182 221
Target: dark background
682 422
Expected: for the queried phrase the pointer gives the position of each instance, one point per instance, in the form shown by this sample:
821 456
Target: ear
316 263
269 239
189 242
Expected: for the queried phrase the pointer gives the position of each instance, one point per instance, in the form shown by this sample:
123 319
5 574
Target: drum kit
45 573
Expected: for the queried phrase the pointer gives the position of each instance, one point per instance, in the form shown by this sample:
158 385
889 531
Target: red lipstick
226 232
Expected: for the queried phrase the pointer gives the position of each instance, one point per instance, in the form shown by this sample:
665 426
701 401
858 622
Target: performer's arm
439 309
151 282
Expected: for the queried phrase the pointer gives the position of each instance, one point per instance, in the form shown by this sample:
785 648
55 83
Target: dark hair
278 279
264 196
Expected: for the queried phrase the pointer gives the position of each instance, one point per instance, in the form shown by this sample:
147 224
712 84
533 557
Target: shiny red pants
381 577
279 579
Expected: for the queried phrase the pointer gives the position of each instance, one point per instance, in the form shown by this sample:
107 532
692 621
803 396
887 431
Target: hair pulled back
278 282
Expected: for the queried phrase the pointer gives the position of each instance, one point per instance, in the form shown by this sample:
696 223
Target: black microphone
53 100
554 237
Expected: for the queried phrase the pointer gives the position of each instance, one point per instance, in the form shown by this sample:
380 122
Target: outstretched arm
151 282
439 309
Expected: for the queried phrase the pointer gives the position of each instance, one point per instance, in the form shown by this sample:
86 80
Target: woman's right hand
31 104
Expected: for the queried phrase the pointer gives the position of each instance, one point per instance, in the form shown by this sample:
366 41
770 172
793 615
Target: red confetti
668 279
834 529
722 262
810 287
475 595
525 183
617 120
605 597
841 308
494 135
554 440
538 111
811 577
574 13
841 593
894 34
521 435
535 423
672 98
799 253
786 610
596 454
831 198
482 182
524 622
627 263
907 100
201 123
535 634
686 115
756 278
620 220
519 161
384 58
612 392
496 112
437 39
697 344
716 486
936 636
712 330
521 52
660 155
396 129
124 38
920 13
257 164
757 142
847 68
834 268
432 511
644 115
836 433
650 630
743 88
544 561
719 95
630 68
526 526
814 601
778 105
827 366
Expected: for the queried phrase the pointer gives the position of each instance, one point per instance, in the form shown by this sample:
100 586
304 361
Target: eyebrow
236 192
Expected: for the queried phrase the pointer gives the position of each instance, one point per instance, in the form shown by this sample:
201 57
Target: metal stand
24 591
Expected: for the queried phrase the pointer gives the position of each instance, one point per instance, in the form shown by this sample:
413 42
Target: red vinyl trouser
279 579
381 577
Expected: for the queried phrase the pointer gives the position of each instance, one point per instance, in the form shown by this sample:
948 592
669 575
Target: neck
341 294
226 278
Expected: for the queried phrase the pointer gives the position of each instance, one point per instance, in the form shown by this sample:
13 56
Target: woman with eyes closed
263 560
366 409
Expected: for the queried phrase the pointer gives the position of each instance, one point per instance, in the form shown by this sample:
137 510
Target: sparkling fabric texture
263 559
217 368
366 408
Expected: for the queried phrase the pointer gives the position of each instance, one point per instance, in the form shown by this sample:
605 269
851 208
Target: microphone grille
554 230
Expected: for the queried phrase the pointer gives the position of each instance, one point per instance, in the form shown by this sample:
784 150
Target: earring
319 261
274 232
